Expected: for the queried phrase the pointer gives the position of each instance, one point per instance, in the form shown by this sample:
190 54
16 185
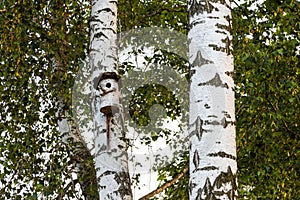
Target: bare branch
167 184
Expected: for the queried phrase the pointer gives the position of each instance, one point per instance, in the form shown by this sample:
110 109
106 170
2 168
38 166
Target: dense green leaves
267 77
42 44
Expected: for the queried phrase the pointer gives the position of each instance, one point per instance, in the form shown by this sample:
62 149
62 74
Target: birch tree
212 122
110 147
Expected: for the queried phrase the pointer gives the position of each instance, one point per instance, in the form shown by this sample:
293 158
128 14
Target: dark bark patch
219 189
197 8
208 168
222 154
200 60
215 123
198 131
215 81
194 23
212 116
207 106
229 73
196 159
99 35
225 123
94 19
106 10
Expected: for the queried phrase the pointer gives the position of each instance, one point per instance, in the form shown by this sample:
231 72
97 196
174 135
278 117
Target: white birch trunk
110 147
212 121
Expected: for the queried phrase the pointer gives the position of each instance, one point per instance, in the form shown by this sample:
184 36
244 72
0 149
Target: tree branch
167 184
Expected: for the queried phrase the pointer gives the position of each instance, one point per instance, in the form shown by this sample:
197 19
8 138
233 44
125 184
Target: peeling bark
110 147
212 121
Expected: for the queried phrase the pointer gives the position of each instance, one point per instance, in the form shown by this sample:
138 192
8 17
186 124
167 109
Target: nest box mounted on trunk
110 96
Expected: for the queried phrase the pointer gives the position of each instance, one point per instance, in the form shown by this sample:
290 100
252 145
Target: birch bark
212 121
110 147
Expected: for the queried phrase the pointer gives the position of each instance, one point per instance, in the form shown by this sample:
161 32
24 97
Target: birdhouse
110 95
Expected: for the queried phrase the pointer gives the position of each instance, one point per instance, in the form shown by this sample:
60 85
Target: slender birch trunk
110 147
213 165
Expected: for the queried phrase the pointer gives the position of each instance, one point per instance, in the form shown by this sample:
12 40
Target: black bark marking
226 114
207 190
194 23
225 49
199 194
207 106
99 35
227 43
217 48
225 178
94 19
211 122
216 81
199 60
225 123
211 17
114 2
219 189
191 73
223 27
191 186
199 8
196 159
208 168
205 5
106 10
198 128
221 32
213 116
229 73
222 154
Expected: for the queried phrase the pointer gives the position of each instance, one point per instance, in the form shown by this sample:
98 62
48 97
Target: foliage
42 43
168 14
267 67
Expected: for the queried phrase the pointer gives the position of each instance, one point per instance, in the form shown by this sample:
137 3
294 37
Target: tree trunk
110 147
212 121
